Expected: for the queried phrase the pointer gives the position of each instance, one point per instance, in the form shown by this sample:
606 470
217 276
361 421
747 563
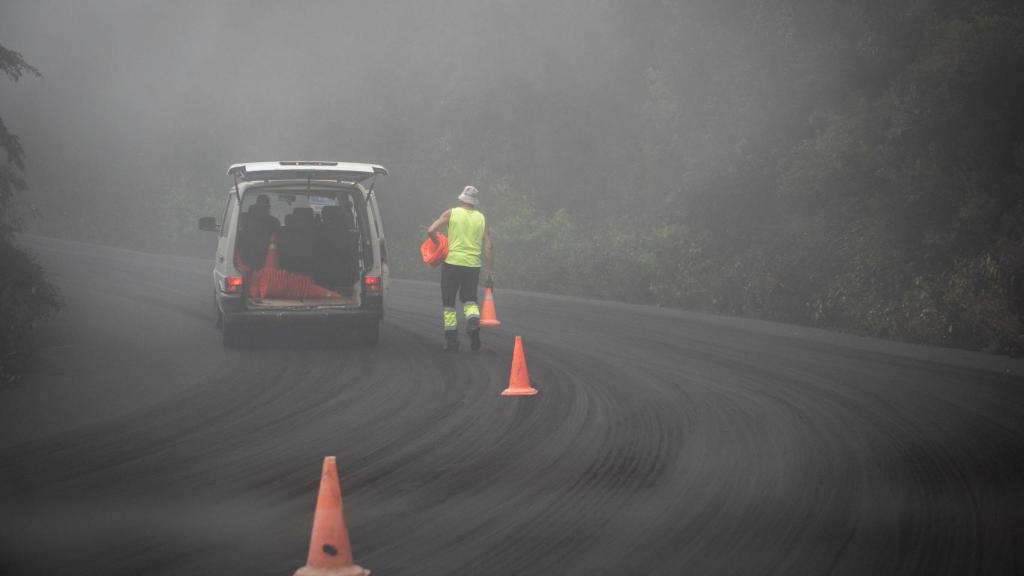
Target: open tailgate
302 170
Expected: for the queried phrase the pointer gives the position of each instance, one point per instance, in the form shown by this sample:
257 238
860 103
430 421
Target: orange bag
434 253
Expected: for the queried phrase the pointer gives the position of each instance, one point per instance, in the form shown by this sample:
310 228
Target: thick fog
713 222
830 163
141 97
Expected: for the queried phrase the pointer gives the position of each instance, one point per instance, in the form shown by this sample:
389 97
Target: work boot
474 333
451 341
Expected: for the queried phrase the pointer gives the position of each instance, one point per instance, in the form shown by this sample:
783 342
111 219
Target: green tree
25 296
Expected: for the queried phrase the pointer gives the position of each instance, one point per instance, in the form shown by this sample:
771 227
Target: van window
372 204
280 205
316 234
228 209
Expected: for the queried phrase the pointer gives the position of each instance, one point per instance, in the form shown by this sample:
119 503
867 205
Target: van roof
302 170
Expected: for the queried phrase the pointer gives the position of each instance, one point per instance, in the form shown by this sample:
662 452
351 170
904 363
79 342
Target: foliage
26 297
14 66
888 204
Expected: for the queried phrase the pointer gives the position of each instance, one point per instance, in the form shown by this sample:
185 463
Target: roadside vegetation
26 298
848 164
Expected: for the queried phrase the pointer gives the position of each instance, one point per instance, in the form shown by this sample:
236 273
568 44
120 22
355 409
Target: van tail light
373 284
233 284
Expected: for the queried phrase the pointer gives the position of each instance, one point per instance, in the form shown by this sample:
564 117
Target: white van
300 242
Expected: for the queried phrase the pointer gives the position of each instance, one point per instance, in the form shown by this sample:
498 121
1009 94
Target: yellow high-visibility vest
465 237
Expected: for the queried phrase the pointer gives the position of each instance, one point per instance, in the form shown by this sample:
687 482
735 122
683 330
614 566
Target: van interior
299 247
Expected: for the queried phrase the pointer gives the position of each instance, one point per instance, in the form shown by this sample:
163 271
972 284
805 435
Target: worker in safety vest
468 239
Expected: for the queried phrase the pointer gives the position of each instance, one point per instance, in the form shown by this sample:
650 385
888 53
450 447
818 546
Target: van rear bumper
235 312
302 316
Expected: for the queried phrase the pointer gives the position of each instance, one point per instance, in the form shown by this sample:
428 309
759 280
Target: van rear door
303 170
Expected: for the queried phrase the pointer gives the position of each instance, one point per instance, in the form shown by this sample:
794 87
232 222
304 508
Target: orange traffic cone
329 551
270 262
487 316
314 290
519 380
262 279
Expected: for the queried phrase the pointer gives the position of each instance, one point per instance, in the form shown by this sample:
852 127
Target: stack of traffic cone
487 315
519 379
262 279
271 260
310 289
273 281
329 551
434 250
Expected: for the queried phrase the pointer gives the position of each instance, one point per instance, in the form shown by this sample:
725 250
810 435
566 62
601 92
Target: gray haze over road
661 442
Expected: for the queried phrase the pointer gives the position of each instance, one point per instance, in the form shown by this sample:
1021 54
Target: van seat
337 248
255 227
298 242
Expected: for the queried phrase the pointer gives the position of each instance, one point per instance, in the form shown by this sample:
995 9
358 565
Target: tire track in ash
225 437
661 442
849 442
253 408
463 457
546 520
715 501
495 449
851 513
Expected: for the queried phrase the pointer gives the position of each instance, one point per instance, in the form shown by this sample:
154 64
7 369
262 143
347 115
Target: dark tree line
26 297
854 165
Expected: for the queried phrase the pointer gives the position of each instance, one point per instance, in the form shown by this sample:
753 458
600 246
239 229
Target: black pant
458 280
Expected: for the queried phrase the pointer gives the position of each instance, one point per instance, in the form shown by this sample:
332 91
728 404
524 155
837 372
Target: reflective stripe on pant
470 310
451 319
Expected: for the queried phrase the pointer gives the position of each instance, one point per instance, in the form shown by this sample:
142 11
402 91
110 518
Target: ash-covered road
661 442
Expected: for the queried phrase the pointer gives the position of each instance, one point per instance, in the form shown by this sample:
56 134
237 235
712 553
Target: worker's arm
442 220
488 253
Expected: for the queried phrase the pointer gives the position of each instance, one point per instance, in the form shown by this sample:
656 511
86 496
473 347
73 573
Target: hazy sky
140 85
138 96
135 74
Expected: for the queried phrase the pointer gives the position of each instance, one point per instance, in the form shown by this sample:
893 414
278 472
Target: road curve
661 442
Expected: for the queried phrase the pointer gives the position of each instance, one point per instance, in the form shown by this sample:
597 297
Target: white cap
469 196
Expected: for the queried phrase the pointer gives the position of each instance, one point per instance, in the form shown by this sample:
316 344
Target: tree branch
12 64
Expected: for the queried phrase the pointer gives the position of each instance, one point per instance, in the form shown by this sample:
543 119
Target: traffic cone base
519 379
329 550
487 316
346 571
531 391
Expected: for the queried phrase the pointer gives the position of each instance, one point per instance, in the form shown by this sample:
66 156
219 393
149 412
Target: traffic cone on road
487 315
329 551
519 379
